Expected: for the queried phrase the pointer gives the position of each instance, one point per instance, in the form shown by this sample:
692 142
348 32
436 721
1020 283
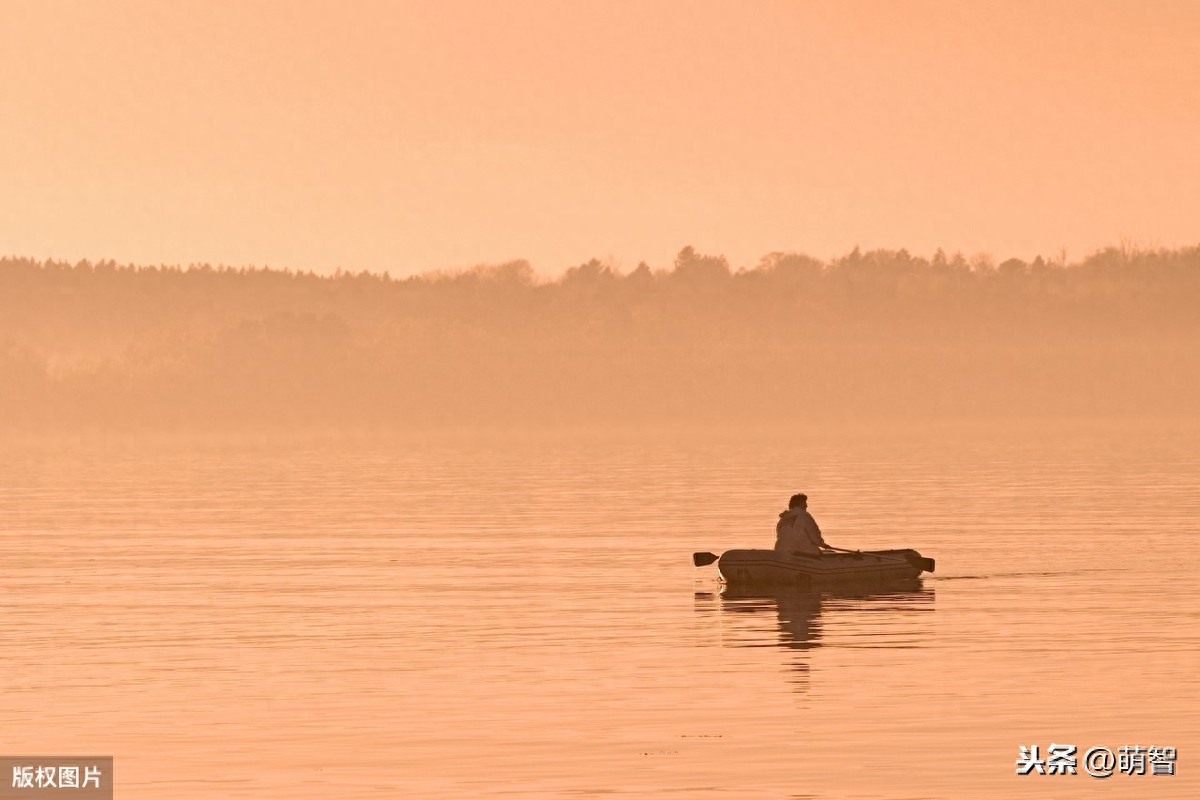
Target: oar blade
703 559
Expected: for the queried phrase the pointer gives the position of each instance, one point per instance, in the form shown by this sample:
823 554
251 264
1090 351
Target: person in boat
797 533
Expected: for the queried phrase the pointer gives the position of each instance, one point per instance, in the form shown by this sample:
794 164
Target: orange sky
413 136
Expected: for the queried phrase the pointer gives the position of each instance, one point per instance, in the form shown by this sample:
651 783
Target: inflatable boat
768 568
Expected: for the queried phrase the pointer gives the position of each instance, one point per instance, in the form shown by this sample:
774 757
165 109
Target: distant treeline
876 335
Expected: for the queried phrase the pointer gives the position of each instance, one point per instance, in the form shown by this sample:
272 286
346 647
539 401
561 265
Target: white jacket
797 532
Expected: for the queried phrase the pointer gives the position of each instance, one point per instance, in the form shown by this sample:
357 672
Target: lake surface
508 618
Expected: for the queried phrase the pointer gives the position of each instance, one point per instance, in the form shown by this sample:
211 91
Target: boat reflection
874 617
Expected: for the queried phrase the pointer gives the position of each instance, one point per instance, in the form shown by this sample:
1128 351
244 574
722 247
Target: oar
703 559
922 562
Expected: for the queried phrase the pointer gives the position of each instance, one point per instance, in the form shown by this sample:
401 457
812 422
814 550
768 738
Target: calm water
500 619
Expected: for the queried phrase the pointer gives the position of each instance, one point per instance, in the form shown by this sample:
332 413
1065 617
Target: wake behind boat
843 567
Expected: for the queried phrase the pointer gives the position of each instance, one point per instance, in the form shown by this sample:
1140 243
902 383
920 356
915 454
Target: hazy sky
412 136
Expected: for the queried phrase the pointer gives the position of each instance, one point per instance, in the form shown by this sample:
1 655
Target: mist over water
278 535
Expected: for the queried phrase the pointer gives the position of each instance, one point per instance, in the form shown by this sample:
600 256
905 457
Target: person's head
798 501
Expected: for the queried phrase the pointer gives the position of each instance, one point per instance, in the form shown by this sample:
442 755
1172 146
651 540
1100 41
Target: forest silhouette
868 336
